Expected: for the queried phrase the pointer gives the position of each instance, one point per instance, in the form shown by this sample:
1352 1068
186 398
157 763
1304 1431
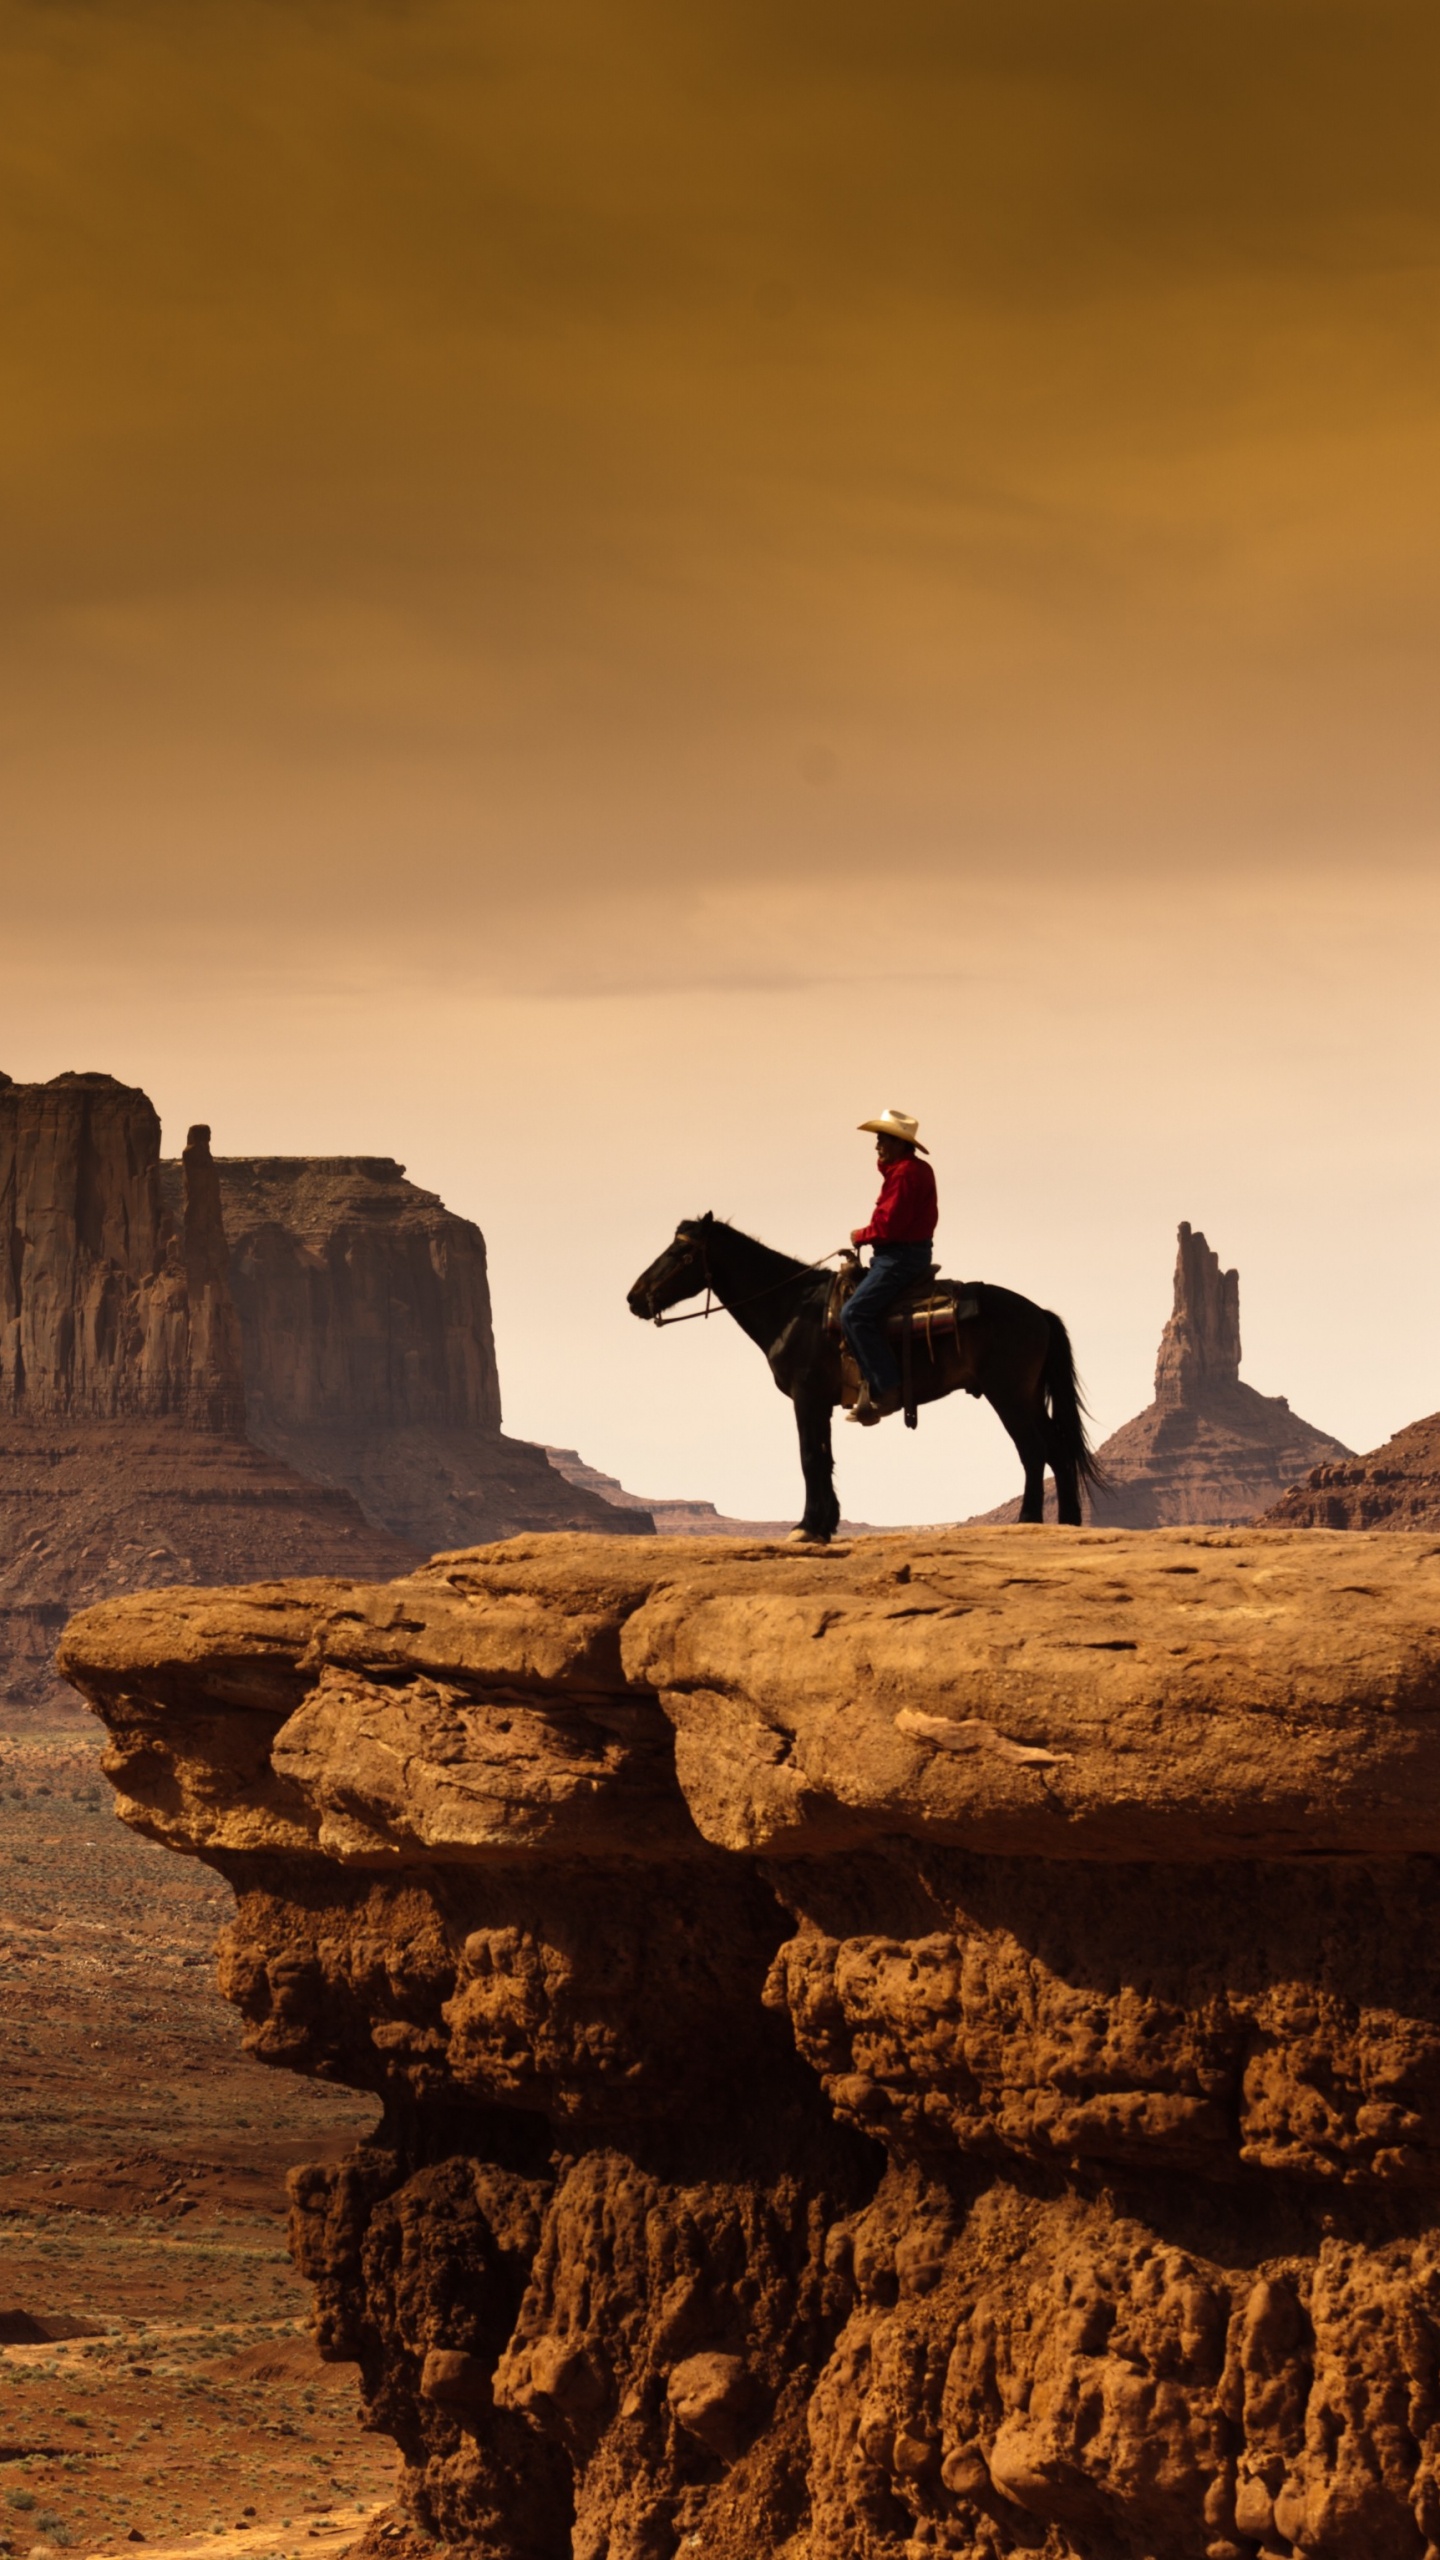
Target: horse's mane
779 1266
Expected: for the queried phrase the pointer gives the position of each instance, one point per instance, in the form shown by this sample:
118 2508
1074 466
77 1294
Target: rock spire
1209 1450
1200 1346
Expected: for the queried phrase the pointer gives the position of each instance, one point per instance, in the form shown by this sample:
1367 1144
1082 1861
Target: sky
590 597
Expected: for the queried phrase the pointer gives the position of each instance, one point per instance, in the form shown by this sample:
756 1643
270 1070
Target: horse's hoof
805 1538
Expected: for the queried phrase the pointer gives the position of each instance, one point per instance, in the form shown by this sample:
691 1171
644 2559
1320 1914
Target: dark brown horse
1010 1351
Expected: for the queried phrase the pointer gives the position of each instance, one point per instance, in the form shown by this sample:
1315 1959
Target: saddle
926 1308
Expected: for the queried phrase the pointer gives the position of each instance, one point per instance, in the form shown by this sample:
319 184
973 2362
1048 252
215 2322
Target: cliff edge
928 2047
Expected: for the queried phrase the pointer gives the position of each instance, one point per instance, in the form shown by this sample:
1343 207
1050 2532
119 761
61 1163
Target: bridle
699 1315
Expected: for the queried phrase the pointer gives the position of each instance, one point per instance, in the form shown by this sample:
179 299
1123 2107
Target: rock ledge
929 2047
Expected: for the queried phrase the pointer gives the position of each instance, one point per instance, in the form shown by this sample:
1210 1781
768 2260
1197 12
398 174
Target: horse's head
679 1272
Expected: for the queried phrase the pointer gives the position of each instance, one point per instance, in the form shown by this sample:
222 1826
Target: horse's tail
1070 1444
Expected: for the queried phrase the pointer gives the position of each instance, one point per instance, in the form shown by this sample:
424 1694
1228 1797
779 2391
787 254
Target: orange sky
589 594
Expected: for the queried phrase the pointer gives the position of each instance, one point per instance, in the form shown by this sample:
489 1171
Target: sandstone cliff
930 2047
122 1458
1396 1487
151 1312
369 1355
1209 1449
112 1303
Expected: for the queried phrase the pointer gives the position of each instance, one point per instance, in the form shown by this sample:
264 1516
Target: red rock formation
925 2048
361 1344
1199 1355
362 1299
1396 1487
109 1304
369 1355
122 1401
217 1350
1209 1449
88 1509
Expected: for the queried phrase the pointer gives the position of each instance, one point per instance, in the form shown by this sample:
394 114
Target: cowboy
900 1233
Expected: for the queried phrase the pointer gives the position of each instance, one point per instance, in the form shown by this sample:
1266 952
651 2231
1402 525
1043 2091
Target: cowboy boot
867 1409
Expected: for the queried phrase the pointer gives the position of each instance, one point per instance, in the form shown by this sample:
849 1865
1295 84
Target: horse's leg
1026 1427
1068 1509
817 1457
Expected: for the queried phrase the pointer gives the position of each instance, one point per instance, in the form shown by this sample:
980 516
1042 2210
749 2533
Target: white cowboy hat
897 1124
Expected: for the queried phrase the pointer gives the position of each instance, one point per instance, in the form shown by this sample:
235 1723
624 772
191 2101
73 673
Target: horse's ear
709 1218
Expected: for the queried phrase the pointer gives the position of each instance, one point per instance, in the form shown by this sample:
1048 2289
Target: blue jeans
893 1268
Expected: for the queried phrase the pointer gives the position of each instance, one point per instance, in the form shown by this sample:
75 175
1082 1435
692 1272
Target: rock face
928 2047
122 1397
369 1356
1199 1355
1396 1487
1209 1450
361 1298
350 1327
112 1303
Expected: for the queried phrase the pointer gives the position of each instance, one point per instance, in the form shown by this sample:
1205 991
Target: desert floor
142 2205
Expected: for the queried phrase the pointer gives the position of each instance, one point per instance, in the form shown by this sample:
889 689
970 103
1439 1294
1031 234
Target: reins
698 1315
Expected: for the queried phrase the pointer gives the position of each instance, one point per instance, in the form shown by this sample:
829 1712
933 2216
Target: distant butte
369 1353
123 1460
1210 1450
213 1371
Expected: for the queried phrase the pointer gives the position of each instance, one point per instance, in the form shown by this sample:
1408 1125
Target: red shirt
907 1209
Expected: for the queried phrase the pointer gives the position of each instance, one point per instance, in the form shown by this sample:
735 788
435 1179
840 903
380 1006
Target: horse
1011 1352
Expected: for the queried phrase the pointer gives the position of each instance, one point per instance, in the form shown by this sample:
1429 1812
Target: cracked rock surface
925 2048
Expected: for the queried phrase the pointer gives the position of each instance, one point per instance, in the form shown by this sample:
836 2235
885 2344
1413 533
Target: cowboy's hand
857 1235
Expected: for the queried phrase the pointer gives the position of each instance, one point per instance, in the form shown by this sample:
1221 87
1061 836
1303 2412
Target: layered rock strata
90 1509
928 2047
369 1352
1210 1449
1396 1486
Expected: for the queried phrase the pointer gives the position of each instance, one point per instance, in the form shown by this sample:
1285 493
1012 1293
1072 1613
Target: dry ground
142 2162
